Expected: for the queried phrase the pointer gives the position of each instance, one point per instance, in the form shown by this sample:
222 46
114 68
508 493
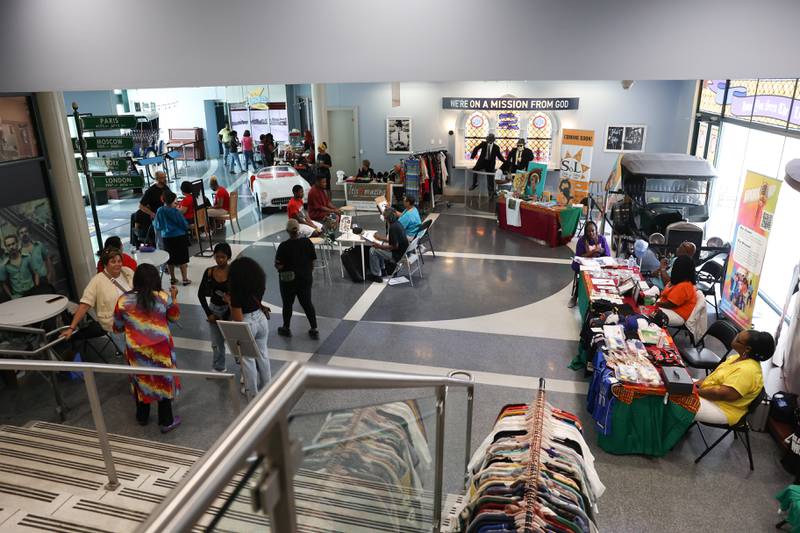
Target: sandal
186 282
173 281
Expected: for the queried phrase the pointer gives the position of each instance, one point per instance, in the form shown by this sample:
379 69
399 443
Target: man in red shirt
319 205
308 228
222 201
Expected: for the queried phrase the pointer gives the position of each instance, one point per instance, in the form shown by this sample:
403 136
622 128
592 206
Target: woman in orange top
679 296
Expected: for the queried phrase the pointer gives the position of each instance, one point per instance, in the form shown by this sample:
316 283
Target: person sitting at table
661 277
410 219
294 210
186 205
101 294
222 202
726 393
18 274
365 171
589 245
116 243
395 247
319 203
679 296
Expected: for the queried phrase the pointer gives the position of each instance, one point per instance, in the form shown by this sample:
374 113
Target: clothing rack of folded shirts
534 472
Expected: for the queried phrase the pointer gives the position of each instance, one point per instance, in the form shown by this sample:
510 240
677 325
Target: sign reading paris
108 122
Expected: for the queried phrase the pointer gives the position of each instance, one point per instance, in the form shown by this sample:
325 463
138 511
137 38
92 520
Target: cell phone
51 300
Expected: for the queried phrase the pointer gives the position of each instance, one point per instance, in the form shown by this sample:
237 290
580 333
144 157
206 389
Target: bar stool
323 260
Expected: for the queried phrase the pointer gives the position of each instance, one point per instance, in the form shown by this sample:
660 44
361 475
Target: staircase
52 478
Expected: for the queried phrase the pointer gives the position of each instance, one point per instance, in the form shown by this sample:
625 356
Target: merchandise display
533 472
545 221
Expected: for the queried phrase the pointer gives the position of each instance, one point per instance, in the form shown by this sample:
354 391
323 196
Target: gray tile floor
643 494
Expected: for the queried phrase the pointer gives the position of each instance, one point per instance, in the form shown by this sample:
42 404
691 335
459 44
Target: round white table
155 258
32 309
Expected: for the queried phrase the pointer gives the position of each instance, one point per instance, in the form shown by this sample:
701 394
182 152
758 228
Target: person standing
247 284
143 314
224 137
37 252
153 199
268 150
487 152
518 158
324 164
173 227
294 261
214 286
395 246
247 148
233 149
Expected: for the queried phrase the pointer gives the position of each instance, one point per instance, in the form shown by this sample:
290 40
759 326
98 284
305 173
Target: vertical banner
753 224
576 163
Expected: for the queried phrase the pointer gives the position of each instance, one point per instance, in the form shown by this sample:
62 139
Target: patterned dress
148 342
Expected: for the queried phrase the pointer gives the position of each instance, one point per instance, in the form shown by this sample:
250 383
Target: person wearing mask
294 262
319 203
247 284
679 296
518 158
233 149
294 210
224 137
173 227
37 251
18 274
726 393
101 294
143 315
324 164
153 199
247 148
116 243
591 244
365 171
661 277
410 219
486 155
214 286
389 248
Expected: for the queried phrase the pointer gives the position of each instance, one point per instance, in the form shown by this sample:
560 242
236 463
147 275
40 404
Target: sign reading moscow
94 144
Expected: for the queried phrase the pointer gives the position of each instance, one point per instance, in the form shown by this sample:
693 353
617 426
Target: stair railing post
438 482
100 427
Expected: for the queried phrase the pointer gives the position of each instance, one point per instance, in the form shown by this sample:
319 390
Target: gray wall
664 106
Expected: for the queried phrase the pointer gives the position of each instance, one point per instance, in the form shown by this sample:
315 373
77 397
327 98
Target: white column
319 104
66 190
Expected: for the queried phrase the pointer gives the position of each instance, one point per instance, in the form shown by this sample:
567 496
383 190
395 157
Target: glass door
706 139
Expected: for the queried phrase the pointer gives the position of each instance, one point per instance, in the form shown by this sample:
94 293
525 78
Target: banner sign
95 144
119 181
109 122
105 164
362 195
576 163
518 104
753 224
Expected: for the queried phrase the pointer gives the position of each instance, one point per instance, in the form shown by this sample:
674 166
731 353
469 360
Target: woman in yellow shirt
726 393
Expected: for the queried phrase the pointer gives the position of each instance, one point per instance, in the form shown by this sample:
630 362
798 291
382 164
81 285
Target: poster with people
753 224
576 166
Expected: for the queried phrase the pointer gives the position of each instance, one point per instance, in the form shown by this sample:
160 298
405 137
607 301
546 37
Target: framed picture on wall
625 138
17 130
398 135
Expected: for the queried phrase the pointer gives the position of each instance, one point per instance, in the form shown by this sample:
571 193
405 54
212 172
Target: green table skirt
579 361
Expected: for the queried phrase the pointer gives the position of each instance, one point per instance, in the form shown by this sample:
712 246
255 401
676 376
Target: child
173 227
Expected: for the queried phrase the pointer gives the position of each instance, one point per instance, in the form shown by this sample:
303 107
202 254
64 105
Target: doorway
343 142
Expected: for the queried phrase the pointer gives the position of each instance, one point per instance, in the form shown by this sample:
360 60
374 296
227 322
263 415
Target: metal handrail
88 370
263 427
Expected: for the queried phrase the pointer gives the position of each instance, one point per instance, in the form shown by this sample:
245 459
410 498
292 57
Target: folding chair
91 322
424 235
410 258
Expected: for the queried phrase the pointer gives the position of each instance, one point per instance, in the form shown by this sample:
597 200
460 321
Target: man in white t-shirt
224 136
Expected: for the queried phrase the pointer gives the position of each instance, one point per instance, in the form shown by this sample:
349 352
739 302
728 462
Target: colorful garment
148 342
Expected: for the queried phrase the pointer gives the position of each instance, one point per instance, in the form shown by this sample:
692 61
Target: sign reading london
521 104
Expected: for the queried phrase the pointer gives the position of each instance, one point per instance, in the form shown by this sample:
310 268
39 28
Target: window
540 136
507 131
702 136
773 101
475 130
739 104
711 95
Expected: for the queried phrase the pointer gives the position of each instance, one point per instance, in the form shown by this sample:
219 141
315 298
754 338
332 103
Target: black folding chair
709 275
700 356
91 330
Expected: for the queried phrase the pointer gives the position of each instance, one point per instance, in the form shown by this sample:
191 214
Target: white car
272 186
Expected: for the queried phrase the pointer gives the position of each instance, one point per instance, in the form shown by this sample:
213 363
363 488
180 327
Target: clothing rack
434 150
535 465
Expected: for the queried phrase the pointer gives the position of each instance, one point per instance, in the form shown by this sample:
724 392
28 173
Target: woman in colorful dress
143 314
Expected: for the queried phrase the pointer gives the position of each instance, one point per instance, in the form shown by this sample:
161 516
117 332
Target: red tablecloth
538 222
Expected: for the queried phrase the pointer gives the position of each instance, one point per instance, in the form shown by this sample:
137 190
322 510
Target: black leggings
302 291
164 412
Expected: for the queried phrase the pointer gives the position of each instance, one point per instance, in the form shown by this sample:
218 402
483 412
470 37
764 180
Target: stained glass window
475 130
711 95
740 99
540 136
507 131
773 101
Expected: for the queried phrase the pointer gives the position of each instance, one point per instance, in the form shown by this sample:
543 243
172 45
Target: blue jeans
235 161
257 374
225 152
377 260
217 340
248 158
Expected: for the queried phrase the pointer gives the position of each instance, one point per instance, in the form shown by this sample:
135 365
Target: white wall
87 44
664 106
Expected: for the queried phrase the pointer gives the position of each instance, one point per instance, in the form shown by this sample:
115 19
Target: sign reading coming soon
520 104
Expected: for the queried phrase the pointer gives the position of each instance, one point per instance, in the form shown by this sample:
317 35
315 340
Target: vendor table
553 225
30 310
